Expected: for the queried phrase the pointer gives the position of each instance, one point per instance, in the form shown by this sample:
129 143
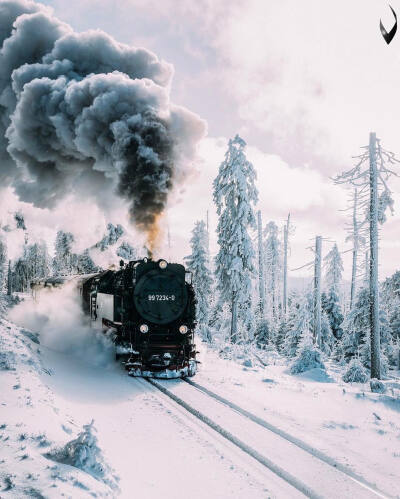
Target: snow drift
82 113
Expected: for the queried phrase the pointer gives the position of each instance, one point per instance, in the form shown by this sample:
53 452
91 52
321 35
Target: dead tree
370 175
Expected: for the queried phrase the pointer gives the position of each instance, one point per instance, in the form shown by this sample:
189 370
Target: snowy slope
33 428
158 449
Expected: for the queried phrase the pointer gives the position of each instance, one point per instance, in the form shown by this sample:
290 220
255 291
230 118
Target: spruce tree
235 195
273 269
198 263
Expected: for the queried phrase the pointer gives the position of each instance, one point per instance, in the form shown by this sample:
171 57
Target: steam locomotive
149 308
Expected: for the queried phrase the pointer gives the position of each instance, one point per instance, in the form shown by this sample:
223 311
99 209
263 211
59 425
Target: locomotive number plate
161 297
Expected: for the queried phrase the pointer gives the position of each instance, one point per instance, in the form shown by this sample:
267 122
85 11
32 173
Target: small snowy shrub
307 358
84 453
356 372
377 386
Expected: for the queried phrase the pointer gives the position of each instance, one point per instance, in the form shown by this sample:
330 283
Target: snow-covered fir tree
299 324
127 252
331 307
3 265
308 356
357 330
334 269
235 195
65 260
19 220
113 234
198 263
85 263
272 270
333 283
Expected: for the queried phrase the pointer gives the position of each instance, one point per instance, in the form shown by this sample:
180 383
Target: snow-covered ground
155 447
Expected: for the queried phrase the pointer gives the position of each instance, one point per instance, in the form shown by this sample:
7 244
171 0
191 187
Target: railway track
308 470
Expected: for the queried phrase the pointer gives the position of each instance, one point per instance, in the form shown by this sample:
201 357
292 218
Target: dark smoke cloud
81 112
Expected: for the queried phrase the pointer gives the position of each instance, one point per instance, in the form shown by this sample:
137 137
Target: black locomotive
149 309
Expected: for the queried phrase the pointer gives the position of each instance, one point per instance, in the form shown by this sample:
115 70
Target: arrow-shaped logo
389 36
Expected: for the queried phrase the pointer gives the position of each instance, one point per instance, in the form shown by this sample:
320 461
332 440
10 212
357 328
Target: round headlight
144 328
183 329
163 264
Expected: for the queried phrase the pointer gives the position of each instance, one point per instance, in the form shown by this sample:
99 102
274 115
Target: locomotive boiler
148 308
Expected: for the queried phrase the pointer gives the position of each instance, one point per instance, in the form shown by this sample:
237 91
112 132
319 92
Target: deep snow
155 447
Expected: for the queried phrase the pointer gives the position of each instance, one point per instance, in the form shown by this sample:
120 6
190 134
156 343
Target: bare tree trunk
317 291
355 251
261 282
285 263
9 276
366 279
234 319
373 266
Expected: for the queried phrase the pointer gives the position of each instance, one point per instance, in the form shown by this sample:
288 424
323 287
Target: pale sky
303 82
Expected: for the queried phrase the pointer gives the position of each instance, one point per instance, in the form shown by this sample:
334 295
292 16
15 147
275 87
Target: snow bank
32 426
57 314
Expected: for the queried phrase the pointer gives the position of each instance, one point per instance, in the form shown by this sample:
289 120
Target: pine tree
273 269
334 269
3 265
198 263
127 252
331 306
357 330
65 261
235 195
300 325
113 234
85 263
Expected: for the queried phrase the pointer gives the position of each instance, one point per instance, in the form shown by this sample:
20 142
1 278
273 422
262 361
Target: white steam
57 316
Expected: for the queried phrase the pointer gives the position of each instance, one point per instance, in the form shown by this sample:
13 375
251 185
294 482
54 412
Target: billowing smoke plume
83 113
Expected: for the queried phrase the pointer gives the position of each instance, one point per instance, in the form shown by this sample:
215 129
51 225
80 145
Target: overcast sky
303 82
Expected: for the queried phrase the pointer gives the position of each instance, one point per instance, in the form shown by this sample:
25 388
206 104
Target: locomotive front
148 307
163 320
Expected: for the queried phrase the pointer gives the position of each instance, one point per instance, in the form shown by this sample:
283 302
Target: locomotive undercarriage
156 358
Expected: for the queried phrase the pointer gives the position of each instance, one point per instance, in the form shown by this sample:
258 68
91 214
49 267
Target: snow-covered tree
300 324
273 269
355 372
113 234
84 453
357 330
65 260
331 306
85 263
308 356
198 263
334 269
19 220
37 258
3 265
235 195
127 252
371 175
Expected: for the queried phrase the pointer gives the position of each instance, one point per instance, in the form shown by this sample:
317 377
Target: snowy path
307 472
156 448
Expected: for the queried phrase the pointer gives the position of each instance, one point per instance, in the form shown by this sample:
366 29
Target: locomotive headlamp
144 328
183 329
163 264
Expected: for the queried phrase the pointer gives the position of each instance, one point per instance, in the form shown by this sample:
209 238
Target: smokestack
84 114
